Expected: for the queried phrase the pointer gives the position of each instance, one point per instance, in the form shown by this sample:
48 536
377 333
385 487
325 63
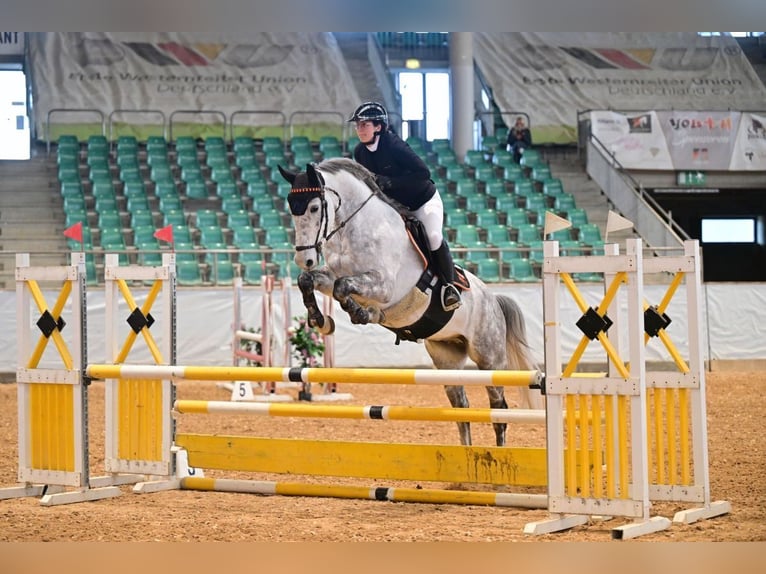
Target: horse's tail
519 352
517 348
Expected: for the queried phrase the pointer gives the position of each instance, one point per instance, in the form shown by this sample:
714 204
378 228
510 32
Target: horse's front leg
361 296
309 282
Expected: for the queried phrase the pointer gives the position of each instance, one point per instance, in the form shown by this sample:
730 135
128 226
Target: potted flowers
307 344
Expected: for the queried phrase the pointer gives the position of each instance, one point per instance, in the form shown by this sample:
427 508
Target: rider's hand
383 182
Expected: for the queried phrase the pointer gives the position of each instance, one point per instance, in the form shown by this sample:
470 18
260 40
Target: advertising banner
635 140
169 71
687 141
749 151
699 140
555 76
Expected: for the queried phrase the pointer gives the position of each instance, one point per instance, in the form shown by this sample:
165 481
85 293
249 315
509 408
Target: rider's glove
383 182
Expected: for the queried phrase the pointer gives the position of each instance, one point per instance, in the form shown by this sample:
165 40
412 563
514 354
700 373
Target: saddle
430 283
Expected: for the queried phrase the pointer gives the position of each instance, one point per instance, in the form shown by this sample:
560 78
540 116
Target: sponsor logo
696 123
756 129
640 124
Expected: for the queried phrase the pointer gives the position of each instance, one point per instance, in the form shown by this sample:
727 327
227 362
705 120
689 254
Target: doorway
14 123
425 104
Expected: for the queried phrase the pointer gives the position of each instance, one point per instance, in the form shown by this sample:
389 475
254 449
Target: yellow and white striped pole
319 375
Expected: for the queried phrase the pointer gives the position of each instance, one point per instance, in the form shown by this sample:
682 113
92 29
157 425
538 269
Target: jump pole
396 494
343 375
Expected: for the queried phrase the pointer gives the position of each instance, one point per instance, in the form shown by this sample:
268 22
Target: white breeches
431 214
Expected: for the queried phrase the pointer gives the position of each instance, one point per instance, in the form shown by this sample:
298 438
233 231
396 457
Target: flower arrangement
307 344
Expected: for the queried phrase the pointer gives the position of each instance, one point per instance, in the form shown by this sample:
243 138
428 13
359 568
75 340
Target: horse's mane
339 164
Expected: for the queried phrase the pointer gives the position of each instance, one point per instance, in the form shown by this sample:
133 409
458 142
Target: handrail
53 111
638 189
138 111
283 123
196 112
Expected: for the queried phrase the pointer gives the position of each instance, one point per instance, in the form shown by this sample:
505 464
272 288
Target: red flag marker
74 232
165 234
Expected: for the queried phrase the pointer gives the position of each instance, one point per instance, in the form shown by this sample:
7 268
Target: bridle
322 235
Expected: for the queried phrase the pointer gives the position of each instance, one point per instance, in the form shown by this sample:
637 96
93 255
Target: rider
404 177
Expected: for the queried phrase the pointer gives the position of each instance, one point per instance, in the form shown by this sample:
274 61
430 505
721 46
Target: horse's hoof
329 326
360 317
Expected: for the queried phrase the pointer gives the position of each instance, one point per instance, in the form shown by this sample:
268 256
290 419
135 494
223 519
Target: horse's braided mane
339 164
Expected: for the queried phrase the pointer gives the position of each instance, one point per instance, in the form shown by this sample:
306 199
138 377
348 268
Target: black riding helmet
370 111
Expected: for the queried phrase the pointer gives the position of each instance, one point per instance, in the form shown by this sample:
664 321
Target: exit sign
691 178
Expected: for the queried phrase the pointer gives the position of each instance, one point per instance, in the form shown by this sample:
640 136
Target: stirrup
450 297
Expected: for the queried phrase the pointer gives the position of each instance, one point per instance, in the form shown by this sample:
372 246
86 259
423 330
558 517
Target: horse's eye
314 208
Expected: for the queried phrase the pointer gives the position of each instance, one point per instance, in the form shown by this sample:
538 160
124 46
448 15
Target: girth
435 317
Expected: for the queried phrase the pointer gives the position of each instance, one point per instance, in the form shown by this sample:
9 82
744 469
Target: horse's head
308 208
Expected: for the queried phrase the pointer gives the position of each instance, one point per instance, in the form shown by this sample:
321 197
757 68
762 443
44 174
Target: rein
324 220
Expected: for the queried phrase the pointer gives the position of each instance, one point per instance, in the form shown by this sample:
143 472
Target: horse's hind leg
452 355
458 399
497 401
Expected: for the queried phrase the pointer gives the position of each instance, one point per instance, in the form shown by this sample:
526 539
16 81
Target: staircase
31 215
567 166
353 46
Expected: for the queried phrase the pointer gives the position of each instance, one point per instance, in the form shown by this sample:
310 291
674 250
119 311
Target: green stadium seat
577 216
529 232
536 201
244 235
524 187
269 219
174 217
488 270
541 173
506 203
222 273
466 234
476 202
553 187
495 188
564 202
512 172
516 216
238 218
196 189
455 218
465 187
188 273
211 234
206 218
487 217
109 219
474 158
521 270
590 234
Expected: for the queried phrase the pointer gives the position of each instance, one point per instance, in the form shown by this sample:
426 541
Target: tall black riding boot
446 269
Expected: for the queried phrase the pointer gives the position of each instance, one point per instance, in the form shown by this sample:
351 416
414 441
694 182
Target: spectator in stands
403 175
519 139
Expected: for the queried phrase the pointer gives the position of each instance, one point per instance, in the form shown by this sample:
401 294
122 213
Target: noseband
322 235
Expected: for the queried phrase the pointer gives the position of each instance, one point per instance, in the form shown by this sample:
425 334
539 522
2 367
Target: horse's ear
288 175
315 178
